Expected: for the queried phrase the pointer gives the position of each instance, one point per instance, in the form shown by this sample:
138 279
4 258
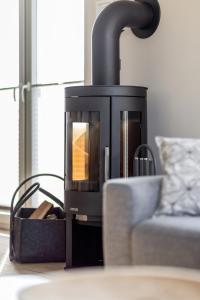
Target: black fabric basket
36 241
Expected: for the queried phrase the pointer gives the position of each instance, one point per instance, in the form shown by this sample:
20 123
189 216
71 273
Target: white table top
10 286
134 283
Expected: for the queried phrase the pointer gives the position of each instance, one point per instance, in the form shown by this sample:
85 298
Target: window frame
27 73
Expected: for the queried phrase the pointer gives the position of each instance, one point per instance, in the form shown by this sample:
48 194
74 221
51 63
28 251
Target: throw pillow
180 161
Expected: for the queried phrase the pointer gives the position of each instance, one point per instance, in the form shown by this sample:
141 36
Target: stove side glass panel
130 139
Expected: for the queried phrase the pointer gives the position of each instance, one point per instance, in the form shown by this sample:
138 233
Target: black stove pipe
142 16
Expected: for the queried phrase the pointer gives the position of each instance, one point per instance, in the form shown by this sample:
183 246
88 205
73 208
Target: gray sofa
133 236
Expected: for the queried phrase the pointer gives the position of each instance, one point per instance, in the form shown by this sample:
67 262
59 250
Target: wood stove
104 124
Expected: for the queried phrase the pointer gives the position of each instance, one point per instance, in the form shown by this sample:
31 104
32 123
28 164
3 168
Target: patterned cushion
180 161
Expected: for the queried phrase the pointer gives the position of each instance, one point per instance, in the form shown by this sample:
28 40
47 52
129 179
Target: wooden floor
3 244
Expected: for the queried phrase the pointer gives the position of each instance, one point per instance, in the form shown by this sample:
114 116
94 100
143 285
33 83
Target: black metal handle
107 163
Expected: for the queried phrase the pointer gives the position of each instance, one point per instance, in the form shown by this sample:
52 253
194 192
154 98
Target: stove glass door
83 151
128 131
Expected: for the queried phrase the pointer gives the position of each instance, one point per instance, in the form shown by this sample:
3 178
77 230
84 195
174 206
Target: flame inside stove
80 151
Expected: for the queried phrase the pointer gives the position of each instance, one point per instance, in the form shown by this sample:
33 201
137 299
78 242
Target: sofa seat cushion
168 241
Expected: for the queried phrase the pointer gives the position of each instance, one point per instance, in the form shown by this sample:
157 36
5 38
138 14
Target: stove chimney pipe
142 16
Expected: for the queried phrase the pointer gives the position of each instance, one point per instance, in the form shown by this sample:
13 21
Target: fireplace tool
143 165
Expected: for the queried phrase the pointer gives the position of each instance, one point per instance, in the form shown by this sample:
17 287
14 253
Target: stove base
86 245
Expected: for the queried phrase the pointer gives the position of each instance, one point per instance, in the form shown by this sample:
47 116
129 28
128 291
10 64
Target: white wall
168 63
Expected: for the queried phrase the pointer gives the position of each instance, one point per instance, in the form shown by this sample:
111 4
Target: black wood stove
104 124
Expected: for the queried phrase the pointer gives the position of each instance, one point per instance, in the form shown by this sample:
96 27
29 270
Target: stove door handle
107 163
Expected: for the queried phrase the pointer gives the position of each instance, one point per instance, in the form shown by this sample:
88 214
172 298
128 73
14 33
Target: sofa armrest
126 202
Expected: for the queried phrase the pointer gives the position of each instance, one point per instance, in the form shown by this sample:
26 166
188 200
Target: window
51 56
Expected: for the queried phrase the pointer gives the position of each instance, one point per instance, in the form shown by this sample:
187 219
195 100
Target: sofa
134 236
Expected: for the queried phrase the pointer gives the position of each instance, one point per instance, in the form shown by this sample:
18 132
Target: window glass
60 40
9 147
9 49
48 137
9 120
60 58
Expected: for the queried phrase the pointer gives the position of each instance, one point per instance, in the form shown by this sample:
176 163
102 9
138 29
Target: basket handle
54 198
28 179
28 193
